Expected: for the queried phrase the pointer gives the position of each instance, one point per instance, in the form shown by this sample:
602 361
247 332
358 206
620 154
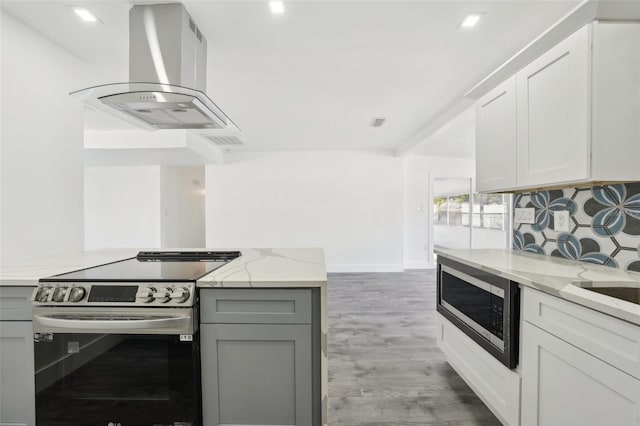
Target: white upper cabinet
553 114
495 138
615 106
573 117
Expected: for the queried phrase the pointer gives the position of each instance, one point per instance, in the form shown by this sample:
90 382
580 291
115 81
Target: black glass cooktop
151 266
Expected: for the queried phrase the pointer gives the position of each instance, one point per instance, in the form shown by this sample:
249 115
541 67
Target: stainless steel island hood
167 74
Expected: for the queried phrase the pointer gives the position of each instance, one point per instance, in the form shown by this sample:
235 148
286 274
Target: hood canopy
154 106
167 72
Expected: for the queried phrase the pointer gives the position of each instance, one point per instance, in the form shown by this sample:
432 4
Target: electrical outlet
561 221
524 215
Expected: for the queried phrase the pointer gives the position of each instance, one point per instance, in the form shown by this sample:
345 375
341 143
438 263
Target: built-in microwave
484 306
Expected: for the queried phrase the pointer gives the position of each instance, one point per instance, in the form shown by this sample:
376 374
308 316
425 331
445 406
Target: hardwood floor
384 365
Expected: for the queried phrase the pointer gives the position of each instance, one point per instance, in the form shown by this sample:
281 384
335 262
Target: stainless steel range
118 344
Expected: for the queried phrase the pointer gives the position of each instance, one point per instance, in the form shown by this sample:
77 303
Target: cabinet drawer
15 303
609 339
255 306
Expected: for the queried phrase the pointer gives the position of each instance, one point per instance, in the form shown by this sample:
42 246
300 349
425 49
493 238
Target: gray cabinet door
256 374
15 303
16 374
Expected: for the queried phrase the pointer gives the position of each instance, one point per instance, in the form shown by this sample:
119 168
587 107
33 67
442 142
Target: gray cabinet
256 306
16 358
257 362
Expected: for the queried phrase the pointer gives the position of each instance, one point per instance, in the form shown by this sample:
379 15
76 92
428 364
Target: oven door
482 305
127 377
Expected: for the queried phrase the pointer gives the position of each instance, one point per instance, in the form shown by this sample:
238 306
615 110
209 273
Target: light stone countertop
559 277
27 273
273 267
286 267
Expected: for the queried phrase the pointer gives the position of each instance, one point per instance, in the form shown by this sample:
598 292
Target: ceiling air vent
377 122
225 140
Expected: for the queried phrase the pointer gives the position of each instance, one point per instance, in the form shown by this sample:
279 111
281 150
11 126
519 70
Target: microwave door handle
116 324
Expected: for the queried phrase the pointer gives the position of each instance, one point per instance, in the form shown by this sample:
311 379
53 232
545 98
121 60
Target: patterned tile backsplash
604 224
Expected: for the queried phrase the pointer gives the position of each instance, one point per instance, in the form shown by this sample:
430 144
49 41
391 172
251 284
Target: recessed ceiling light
277 7
470 20
85 14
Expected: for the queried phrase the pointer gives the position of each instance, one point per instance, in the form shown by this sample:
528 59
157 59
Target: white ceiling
314 77
456 138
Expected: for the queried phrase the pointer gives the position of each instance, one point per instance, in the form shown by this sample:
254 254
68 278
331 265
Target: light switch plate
524 215
561 221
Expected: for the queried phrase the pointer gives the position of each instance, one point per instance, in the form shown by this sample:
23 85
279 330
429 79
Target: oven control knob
146 294
43 294
76 294
163 295
180 294
59 293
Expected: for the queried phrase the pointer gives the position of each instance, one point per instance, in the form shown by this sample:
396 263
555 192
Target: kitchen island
285 287
579 349
261 313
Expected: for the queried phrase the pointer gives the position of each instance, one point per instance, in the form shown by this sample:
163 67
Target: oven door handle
122 324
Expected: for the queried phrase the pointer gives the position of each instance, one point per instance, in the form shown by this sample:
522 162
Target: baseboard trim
378 267
419 265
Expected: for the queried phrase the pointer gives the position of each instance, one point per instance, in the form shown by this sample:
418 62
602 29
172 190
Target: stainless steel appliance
167 75
484 306
118 344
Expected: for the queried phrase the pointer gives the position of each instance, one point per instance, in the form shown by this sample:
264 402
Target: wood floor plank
384 365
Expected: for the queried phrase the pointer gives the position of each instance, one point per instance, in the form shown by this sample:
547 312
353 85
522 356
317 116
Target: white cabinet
495 138
564 386
579 367
496 385
577 115
553 114
17 395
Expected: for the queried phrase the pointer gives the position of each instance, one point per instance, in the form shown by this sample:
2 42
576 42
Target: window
487 211
490 210
452 210
464 220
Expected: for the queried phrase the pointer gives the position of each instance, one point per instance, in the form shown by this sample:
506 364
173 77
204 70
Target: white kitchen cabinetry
579 367
577 112
496 385
553 114
17 394
495 138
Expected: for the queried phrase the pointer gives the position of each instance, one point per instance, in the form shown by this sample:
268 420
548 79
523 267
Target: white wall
182 203
144 207
41 143
349 203
453 237
489 238
419 172
122 207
